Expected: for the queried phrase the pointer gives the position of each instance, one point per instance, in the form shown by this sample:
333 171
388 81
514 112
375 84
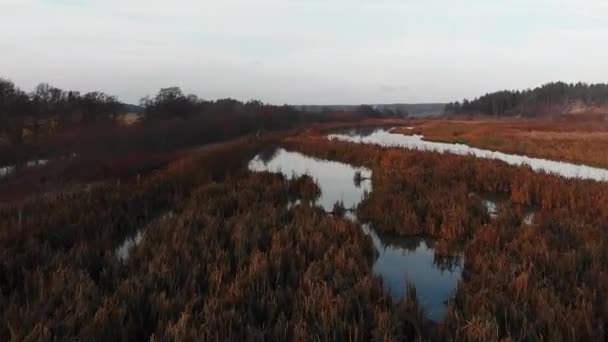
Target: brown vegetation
579 140
106 150
233 264
521 281
237 263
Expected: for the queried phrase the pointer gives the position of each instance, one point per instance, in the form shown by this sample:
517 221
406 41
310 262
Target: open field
578 140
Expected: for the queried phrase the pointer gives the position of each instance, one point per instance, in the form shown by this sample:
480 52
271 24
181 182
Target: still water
123 251
10 169
413 260
494 203
384 137
400 261
336 180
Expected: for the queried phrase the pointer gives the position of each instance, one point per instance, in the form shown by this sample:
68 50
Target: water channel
400 261
384 137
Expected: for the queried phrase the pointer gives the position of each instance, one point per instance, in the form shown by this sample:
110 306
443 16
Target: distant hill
398 109
556 98
131 108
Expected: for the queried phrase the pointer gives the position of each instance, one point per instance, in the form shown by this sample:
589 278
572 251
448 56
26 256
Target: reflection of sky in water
6 170
494 203
491 206
10 169
399 260
124 250
384 137
335 179
412 260
36 162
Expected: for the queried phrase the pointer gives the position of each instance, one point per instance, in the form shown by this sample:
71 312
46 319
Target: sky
303 51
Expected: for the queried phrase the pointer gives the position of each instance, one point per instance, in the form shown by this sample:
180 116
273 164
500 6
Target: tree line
23 113
527 102
49 122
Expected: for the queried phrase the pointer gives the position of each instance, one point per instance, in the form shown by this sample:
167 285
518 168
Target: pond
36 162
336 180
494 203
6 170
10 169
400 261
124 250
384 137
413 260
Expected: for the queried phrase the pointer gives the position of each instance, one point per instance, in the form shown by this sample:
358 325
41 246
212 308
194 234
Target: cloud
305 51
393 88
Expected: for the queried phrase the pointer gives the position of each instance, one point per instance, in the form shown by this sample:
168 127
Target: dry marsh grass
237 263
521 281
234 264
574 140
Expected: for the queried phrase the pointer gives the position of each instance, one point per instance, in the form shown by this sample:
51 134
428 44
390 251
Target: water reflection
11 169
491 207
124 250
268 154
494 203
336 180
384 137
400 260
36 162
6 170
414 261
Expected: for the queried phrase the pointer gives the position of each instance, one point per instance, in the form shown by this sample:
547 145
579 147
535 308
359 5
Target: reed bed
540 281
234 263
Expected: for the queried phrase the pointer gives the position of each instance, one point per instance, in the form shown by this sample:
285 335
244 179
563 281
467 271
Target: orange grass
573 139
523 282
235 263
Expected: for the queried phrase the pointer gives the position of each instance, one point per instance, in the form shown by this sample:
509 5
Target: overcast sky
303 51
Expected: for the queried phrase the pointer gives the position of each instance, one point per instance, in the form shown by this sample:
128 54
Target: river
384 137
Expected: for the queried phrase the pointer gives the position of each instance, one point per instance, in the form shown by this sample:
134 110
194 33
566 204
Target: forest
73 138
49 122
533 102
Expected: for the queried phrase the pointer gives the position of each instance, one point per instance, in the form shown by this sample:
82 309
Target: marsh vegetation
523 280
305 237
